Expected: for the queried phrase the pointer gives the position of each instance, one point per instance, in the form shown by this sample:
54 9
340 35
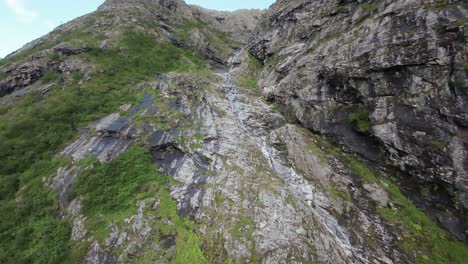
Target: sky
22 21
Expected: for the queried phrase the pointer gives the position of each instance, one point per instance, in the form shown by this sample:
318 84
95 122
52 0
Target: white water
298 185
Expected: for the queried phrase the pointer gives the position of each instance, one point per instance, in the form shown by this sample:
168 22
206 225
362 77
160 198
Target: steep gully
302 189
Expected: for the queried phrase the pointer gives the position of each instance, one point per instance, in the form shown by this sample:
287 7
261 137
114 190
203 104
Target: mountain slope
384 79
139 134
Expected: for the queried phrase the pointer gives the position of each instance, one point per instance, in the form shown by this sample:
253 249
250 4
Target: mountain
152 131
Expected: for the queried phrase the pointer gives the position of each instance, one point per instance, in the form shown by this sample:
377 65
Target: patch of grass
338 193
250 78
361 169
426 242
359 121
50 76
423 240
110 191
369 6
244 228
113 187
439 144
319 153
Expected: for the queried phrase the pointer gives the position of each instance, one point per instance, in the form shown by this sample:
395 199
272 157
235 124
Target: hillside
312 132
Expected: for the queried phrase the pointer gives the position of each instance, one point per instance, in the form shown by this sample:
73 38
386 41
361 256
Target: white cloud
22 13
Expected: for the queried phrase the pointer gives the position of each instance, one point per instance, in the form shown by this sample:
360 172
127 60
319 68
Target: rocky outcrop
20 77
240 24
384 79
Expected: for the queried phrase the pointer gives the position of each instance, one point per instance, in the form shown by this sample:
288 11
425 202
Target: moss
338 193
359 121
361 169
314 149
369 6
243 229
219 198
248 82
465 65
439 144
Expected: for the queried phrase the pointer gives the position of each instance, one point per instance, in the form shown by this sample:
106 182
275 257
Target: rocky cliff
385 80
313 132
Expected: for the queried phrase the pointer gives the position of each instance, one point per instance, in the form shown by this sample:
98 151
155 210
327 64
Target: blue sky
24 20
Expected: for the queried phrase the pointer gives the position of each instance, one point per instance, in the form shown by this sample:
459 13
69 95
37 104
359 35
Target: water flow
299 186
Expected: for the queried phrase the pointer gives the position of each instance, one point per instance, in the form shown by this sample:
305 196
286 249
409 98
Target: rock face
278 136
384 79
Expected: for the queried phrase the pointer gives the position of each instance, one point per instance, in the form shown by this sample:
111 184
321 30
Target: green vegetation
338 193
426 242
50 76
218 42
361 169
110 192
314 149
29 229
244 228
113 187
39 126
439 144
369 6
423 241
248 82
359 121
249 79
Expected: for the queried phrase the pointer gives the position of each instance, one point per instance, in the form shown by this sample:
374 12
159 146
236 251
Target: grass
314 149
29 229
369 6
426 242
39 126
249 79
219 42
244 228
338 193
113 187
110 192
422 239
50 76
